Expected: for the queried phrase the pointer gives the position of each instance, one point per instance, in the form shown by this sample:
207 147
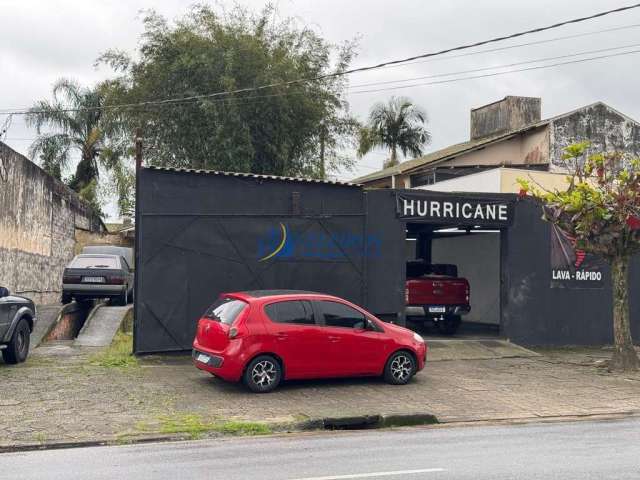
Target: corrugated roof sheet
254 175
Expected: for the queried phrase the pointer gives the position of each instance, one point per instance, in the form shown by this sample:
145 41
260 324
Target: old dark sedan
91 276
17 319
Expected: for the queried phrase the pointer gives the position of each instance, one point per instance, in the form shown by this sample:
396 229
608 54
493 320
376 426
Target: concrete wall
39 217
528 148
478 259
84 238
506 115
606 129
485 181
500 180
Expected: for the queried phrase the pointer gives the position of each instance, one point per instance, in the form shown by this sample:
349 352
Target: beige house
510 133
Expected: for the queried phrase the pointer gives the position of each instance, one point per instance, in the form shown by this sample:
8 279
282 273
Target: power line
519 45
257 98
494 74
495 67
353 70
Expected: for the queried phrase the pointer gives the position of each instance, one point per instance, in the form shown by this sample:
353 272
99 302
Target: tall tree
601 210
53 151
75 121
287 129
396 125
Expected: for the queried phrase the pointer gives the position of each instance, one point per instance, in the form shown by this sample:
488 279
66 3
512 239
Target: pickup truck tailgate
437 290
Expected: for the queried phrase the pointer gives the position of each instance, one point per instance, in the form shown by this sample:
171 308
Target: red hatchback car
266 336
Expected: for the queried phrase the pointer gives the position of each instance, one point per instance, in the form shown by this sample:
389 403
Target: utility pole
138 142
138 226
322 139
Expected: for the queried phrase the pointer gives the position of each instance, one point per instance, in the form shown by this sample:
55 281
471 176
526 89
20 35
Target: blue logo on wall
282 242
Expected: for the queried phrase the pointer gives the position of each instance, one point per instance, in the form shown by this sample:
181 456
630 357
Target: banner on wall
571 267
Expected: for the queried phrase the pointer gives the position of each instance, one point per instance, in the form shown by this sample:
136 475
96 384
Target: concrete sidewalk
47 401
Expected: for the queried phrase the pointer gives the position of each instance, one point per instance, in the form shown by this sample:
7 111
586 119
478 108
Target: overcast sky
42 40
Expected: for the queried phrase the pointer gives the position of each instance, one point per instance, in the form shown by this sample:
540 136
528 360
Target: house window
423 178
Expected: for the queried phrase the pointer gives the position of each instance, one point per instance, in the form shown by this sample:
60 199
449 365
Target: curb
364 422
359 422
88 443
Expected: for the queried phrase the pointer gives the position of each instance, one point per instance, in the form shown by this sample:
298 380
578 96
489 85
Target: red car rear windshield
225 310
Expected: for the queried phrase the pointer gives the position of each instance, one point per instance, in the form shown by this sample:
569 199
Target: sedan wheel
400 368
263 374
18 348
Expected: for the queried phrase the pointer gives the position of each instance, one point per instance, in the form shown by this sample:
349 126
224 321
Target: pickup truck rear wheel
18 347
450 324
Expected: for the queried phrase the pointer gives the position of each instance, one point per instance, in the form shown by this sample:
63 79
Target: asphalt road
563 451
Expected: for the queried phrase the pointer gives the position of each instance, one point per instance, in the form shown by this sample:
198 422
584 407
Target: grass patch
195 427
245 428
40 437
118 354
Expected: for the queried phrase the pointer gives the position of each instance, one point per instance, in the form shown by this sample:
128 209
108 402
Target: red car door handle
282 336
333 338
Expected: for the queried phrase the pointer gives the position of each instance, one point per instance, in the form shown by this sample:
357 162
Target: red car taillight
238 328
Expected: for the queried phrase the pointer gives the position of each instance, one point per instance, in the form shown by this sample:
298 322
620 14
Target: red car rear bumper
221 364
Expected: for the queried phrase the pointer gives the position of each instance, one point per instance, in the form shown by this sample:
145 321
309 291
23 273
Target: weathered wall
38 220
604 127
506 115
84 238
527 148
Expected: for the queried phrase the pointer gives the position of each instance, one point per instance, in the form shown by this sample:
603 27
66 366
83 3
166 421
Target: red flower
633 222
522 193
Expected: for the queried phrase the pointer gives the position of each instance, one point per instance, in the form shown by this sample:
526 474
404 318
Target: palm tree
74 120
396 125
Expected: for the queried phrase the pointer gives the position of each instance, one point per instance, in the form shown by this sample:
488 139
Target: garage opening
454 246
453 280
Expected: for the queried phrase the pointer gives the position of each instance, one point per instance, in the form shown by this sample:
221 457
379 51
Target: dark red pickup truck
440 292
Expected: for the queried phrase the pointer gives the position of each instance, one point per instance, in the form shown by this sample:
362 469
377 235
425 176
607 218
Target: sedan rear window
225 310
95 262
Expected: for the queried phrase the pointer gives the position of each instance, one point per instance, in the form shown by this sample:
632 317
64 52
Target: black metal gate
201 234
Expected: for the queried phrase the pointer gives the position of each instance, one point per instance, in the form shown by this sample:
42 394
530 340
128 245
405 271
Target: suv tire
18 348
449 326
263 374
400 368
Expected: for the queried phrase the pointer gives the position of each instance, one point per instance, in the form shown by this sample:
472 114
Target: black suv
17 319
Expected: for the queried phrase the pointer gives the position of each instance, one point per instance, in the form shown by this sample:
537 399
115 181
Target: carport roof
253 175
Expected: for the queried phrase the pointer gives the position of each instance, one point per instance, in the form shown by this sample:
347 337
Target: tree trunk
624 355
393 161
